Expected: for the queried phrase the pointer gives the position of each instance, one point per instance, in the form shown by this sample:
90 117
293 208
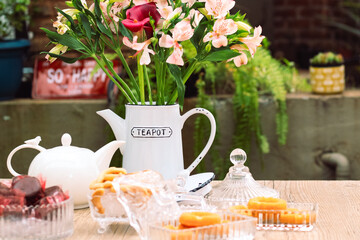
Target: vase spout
117 125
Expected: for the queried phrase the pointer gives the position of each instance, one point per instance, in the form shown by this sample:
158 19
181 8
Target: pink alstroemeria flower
117 7
182 32
222 27
219 8
168 12
253 42
137 18
159 3
141 2
197 16
242 58
140 47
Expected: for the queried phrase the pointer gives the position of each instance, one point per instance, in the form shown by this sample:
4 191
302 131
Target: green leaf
176 72
197 38
98 12
198 5
65 59
89 13
86 25
103 29
221 55
78 4
124 31
66 40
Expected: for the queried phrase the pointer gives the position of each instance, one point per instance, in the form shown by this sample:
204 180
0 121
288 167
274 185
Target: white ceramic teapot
72 168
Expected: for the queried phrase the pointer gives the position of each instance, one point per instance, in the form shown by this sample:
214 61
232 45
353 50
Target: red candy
30 186
29 191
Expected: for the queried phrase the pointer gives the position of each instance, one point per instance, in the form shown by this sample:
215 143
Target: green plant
262 76
326 59
13 15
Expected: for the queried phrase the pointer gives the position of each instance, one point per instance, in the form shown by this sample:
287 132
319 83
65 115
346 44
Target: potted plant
327 73
13 16
156 30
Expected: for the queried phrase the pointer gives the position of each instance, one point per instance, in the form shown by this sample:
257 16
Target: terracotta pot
327 80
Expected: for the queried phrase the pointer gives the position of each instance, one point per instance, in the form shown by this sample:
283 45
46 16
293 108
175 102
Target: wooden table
338 217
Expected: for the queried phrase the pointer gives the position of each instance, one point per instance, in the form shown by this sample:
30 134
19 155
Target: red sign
63 80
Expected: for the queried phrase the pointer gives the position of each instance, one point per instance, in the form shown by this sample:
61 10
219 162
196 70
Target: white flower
58 49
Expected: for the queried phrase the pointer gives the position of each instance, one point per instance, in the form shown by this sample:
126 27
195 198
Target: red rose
137 18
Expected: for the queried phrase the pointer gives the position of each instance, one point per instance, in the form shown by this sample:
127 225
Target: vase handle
211 138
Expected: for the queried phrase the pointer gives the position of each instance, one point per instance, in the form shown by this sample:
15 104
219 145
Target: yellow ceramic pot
327 80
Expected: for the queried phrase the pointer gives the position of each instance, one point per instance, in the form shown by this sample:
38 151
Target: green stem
112 79
158 81
123 83
148 85
191 68
163 80
141 80
127 69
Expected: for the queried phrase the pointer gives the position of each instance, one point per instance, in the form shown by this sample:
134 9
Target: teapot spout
116 123
103 155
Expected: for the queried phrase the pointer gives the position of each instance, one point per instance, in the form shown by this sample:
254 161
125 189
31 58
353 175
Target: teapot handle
209 142
33 143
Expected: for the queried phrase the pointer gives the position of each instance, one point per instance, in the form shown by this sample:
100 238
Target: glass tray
234 226
52 221
297 217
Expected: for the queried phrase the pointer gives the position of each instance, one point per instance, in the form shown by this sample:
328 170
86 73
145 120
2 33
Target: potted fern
327 73
13 16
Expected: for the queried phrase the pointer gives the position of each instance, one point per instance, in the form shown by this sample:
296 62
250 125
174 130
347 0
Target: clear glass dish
51 221
234 226
297 217
114 212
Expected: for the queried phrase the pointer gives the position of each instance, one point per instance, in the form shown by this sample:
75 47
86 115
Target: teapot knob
66 139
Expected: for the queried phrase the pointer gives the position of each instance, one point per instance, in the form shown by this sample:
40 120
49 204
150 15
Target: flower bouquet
156 30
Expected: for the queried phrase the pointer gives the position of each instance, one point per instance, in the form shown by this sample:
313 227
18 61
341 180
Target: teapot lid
66 147
239 186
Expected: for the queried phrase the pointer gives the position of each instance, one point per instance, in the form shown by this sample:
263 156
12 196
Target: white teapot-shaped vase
153 138
72 168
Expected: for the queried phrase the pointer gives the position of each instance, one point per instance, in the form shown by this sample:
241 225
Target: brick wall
300 28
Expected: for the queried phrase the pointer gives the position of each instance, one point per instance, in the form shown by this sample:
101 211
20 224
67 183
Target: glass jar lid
239 186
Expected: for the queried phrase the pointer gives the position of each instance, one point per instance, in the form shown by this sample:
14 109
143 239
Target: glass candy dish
51 221
238 186
233 226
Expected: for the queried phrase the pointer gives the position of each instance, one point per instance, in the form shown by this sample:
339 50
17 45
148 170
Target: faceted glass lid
239 186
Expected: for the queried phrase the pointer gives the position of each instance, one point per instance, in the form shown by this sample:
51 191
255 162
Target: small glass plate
234 226
297 217
52 221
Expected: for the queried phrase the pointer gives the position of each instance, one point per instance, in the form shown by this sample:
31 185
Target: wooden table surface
338 217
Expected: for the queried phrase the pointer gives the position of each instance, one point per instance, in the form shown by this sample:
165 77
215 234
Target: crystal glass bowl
51 221
233 226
